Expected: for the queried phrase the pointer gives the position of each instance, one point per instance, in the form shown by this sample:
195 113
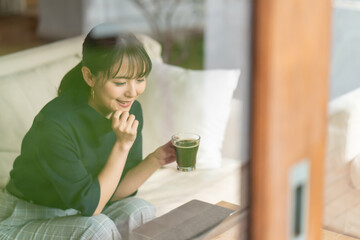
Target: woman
81 161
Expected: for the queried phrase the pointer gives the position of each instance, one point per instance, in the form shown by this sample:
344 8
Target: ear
88 76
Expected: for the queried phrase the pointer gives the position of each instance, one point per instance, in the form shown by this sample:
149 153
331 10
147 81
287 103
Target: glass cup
186 148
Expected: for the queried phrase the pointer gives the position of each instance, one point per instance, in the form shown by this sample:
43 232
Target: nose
131 90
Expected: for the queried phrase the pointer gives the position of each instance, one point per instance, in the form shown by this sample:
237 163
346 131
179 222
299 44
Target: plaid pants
20 219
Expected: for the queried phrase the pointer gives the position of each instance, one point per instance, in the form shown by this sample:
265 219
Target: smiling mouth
124 104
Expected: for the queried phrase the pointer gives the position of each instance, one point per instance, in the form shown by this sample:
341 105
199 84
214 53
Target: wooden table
233 227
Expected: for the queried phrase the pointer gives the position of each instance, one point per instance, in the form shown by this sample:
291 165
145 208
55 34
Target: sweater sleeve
60 158
136 154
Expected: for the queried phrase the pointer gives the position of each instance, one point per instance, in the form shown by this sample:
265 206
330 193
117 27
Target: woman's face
116 93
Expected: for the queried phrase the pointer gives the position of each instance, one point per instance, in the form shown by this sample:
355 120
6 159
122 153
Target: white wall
345 50
228 30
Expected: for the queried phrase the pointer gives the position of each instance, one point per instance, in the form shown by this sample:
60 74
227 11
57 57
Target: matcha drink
186 148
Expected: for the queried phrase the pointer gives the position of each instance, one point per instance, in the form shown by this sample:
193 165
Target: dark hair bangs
138 61
100 60
104 51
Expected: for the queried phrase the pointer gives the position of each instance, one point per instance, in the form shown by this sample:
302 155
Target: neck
97 108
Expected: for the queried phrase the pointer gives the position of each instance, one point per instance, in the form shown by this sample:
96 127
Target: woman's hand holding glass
165 154
125 127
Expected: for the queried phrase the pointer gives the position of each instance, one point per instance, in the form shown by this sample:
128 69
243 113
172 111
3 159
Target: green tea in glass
186 148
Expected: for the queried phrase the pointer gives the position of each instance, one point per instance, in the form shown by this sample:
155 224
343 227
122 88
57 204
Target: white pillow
183 100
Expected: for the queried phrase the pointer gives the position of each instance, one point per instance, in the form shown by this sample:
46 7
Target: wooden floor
328 235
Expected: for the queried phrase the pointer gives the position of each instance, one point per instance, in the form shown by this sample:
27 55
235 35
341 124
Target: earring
92 93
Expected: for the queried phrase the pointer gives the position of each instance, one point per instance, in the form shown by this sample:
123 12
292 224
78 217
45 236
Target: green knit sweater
62 154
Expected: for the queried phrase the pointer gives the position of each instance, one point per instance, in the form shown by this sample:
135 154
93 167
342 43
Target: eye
120 83
141 80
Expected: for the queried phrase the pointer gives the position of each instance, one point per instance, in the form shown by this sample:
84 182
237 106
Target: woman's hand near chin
125 127
165 154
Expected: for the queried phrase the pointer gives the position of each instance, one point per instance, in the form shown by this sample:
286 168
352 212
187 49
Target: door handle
299 199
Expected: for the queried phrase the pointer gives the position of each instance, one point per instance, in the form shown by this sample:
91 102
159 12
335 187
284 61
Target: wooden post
290 83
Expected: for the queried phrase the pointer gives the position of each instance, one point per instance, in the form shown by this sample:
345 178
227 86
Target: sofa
342 166
175 100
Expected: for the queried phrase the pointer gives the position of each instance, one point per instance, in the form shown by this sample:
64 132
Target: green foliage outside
189 53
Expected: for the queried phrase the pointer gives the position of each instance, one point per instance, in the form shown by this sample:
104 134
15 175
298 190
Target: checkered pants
20 219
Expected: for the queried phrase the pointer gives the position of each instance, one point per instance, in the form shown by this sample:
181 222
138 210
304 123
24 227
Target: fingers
125 122
132 124
116 118
135 125
168 148
169 155
169 144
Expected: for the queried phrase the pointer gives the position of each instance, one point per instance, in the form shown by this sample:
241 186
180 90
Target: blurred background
191 31
196 34
29 23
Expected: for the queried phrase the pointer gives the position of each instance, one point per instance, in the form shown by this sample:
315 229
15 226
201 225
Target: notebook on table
188 221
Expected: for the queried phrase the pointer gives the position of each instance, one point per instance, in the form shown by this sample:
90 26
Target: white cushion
344 123
152 47
183 100
6 162
342 172
234 135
